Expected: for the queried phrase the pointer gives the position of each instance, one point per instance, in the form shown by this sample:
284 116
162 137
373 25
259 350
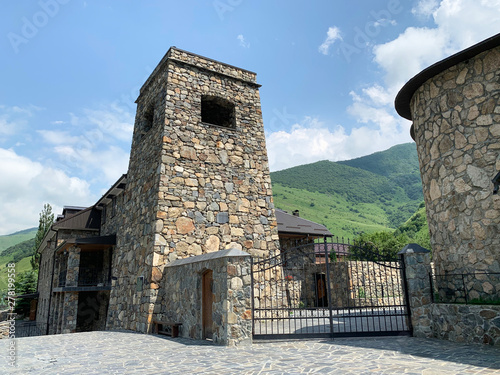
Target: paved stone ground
132 353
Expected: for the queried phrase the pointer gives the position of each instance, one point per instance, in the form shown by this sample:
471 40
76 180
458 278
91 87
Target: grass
342 218
23 265
484 301
15 238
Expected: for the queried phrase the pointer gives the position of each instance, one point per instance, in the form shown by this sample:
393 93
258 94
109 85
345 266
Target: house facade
194 206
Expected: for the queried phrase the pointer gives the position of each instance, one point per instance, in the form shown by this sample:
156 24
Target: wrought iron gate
329 289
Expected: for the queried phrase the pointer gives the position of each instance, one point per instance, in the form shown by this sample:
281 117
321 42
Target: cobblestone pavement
132 353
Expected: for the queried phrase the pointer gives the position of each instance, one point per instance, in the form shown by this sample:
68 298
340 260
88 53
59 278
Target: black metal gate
329 289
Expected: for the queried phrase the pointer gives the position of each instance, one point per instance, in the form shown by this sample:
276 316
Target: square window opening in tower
217 111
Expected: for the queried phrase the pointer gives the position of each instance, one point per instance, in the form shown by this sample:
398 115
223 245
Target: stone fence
454 322
181 299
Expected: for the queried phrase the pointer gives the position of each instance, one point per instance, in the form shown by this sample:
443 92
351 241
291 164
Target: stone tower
455 109
198 179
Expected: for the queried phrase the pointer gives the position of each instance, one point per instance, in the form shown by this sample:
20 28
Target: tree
44 224
25 284
384 245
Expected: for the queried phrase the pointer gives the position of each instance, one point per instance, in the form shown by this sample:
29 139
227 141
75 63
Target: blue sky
70 71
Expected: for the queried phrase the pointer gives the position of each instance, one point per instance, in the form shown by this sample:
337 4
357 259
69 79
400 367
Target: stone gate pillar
417 270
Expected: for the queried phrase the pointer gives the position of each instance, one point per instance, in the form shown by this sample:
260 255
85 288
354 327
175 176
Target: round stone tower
455 109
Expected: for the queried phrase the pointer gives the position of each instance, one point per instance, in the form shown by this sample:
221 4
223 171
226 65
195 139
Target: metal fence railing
478 287
87 276
30 328
90 276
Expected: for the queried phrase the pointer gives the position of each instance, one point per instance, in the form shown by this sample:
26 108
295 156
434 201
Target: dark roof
413 248
296 225
100 240
90 218
73 208
402 102
113 191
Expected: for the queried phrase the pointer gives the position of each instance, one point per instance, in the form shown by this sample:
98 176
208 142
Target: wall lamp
496 183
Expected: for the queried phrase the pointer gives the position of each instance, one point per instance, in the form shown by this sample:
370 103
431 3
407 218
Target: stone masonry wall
374 284
466 323
454 322
134 216
215 188
418 268
45 283
456 119
180 299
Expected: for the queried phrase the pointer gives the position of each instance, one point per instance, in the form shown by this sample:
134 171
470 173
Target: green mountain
18 251
372 193
9 240
417 228
15 248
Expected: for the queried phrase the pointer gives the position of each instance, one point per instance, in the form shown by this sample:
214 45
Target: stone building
455 109
172 238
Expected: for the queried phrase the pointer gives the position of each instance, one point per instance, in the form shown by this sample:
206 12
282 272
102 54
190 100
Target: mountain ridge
374 192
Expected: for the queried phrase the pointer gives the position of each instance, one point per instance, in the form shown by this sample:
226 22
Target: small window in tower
148 118
217 111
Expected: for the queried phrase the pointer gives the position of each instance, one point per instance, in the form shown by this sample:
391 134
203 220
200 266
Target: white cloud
425 8
77 159
242 41
56 137
377 94
14 119
384 22
458 24
332 35
113 121
405 56
101 165
26 185
312 141
95 145
466 22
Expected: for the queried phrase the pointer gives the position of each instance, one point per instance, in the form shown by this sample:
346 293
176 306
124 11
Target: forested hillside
15 248
372 193
9 240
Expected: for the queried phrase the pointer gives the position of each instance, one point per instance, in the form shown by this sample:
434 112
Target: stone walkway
132 353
